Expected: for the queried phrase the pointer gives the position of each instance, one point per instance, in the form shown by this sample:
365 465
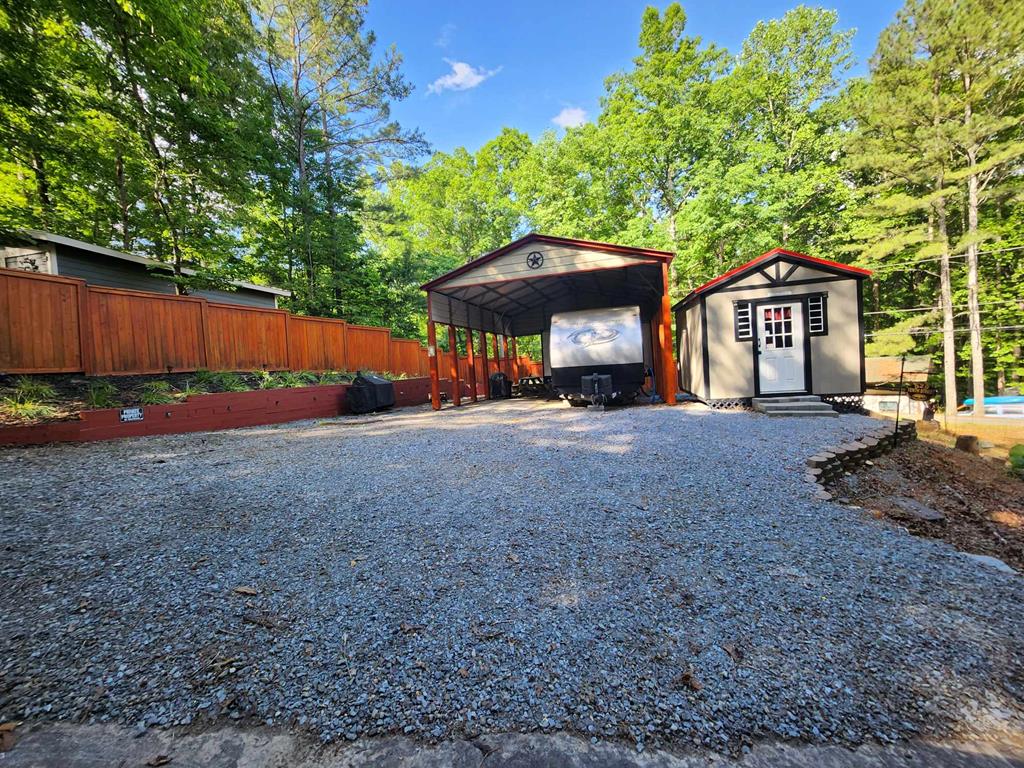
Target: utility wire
929 331
937 309
932 259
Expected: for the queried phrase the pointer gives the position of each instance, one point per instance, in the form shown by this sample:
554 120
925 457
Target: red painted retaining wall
225 410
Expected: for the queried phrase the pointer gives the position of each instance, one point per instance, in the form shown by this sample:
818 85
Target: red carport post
515 359
435 377
504 355
497 355
471 364
487 365
453 350
668 383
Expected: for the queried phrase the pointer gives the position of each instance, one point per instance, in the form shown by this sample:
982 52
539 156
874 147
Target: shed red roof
769 256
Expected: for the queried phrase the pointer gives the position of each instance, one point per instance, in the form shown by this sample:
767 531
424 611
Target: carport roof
515 289
535 237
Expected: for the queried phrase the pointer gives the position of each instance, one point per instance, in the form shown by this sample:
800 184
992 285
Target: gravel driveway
654 574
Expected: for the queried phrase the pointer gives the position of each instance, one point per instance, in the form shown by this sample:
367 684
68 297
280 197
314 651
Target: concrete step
819 406
793 405
787 399
801 412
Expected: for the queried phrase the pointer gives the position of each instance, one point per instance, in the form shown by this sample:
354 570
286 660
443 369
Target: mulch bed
72 389
981 502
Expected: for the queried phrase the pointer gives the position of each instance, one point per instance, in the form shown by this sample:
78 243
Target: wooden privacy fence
51 324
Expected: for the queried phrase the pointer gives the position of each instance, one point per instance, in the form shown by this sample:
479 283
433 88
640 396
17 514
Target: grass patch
101 394
219 381
28 390
188 390
156 393
27 400
27 409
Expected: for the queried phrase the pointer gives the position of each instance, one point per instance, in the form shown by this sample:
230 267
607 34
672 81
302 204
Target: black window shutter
743 320
817 315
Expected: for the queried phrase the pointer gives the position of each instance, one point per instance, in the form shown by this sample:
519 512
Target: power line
951 256
929 331
937 309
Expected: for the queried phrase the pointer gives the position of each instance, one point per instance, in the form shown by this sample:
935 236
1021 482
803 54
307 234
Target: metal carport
514 290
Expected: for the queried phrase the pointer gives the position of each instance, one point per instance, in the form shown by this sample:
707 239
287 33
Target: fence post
204 342
344 355
85 345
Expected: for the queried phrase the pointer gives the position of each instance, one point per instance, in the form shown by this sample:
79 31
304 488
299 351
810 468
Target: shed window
744 320
817 315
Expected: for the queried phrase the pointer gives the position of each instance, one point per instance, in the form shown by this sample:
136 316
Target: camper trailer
597 355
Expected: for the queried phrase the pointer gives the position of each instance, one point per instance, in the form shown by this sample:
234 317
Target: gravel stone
659 575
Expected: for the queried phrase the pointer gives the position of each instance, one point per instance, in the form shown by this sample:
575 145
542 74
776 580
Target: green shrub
27 409
307 378
28 390
1017 459
101 394
156 393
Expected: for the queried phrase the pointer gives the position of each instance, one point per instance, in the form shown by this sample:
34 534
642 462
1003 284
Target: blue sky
480 65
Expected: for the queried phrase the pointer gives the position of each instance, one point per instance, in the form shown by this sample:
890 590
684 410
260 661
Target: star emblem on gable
534 259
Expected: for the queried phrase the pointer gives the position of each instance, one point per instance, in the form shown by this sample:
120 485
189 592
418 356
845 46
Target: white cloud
447 34
570 117
462 77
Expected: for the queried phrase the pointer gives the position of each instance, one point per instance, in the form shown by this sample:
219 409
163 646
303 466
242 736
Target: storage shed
784 323
514 291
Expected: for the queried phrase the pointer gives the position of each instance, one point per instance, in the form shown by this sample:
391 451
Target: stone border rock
825 467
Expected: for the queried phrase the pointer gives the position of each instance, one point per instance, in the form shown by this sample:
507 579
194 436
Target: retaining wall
224 410
826 466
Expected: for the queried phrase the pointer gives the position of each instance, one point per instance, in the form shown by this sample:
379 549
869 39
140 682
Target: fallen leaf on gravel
689 679
734 653
7 736
244 590
159 760
513 558
463 672
410 628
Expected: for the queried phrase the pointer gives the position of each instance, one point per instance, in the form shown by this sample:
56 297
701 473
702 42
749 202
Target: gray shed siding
239 296
97 269
112 273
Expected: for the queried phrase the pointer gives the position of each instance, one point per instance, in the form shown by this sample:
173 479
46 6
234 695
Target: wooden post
504 355
453 349
435 377
487 365
85 345
515 359
497 355
668 384
471 364
656 356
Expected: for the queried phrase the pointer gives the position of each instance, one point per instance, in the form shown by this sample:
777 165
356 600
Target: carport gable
513 289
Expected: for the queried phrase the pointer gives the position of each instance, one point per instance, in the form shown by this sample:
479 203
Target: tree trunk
122 203
42 187
973 312
946 299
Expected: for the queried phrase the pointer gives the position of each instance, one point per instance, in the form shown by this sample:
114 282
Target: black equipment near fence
369 392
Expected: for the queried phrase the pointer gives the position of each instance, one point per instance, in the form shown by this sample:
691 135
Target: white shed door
780 347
